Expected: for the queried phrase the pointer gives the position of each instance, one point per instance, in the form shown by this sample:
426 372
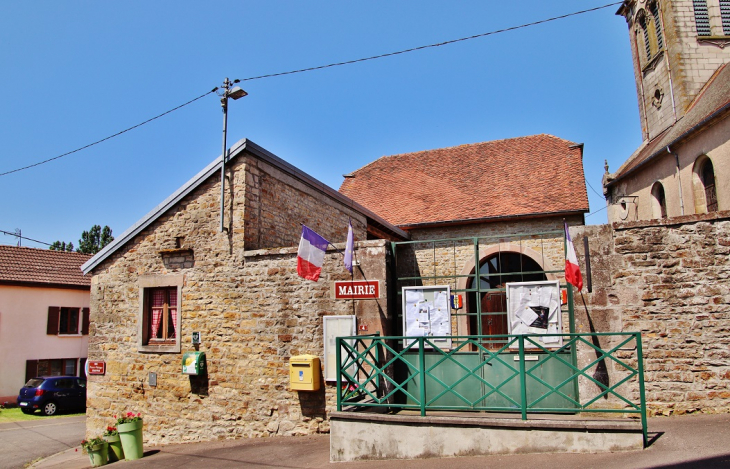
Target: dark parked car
53 393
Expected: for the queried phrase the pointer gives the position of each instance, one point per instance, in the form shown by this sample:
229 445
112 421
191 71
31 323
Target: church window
725 14
708 181
659 201
654 7
651 31
703 185
702 18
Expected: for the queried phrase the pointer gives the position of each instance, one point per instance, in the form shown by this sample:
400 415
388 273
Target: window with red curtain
162 311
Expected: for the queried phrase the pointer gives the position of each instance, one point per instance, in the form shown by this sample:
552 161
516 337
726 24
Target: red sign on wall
97 367
357 290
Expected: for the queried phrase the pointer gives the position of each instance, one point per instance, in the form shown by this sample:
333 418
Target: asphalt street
23 442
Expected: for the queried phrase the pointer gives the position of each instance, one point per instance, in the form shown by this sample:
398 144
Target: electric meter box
304 373
193 363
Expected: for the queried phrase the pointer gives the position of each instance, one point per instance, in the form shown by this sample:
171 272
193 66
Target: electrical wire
109 137
17 235
596 192
320 67
593 213
413 49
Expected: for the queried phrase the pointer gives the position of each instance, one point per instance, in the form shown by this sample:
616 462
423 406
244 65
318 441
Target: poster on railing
427 313
534 308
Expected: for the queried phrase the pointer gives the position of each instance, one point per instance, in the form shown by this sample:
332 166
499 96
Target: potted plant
129 427
97 449
111 435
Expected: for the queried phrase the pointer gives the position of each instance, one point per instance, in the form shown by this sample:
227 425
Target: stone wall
277 204
668 280
251 308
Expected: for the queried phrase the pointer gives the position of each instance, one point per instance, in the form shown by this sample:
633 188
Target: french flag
310 256
572 270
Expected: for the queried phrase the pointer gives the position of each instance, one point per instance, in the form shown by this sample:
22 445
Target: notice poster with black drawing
534 308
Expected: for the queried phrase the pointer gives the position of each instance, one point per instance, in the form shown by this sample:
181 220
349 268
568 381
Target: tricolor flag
349 247
572 270
310 255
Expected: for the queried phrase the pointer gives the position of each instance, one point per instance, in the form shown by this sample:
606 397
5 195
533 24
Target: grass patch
16 415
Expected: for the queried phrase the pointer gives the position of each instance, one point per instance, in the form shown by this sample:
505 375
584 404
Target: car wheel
27 411
50 408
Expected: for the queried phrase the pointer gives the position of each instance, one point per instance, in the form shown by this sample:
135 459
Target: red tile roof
42 266
532 175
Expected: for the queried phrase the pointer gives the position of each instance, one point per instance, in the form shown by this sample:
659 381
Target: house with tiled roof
683 89
44 316
508 198
517 178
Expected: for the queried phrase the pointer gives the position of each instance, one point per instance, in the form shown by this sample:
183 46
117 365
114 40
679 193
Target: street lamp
234 93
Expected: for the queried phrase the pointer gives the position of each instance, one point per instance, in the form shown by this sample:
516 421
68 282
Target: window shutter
53 314
31 369
702 18
85 321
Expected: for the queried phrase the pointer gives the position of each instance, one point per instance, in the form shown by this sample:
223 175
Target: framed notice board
336 326
427 313
534 308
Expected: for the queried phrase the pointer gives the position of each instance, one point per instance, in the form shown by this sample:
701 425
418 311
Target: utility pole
234 93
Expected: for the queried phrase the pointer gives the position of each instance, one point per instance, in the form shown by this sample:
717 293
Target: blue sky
74 72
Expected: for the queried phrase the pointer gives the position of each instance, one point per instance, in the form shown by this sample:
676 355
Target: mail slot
304 373
193 363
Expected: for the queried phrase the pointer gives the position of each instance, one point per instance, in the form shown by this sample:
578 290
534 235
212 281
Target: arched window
643 24
651 30
489 316
704 188
658 201
702 18
708 181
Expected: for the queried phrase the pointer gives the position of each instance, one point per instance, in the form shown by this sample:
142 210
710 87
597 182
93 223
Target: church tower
676 47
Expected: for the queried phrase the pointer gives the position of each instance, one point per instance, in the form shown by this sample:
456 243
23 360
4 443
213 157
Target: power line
111 136
589 185
17 235
320 67
413 49
600 209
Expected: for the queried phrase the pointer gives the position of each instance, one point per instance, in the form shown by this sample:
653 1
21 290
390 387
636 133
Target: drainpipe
669 72
640 76
681 200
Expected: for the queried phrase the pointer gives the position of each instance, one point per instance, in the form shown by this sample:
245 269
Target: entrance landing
371 436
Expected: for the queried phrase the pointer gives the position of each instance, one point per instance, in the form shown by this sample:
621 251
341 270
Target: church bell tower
676 46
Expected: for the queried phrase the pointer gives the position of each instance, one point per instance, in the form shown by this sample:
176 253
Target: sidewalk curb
64 459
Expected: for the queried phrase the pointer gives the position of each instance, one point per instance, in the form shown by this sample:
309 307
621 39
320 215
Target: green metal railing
414 373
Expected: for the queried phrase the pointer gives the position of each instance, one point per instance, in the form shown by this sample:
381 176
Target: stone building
239 288
683 89
509 198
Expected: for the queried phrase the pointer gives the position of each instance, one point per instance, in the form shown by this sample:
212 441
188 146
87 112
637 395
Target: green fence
414 373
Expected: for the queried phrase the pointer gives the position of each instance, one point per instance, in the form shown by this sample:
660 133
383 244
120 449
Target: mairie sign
357 290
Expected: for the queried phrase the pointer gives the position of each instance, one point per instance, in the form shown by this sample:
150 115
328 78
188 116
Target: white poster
427 313
534 308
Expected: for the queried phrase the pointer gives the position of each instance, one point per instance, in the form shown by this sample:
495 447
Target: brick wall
668 280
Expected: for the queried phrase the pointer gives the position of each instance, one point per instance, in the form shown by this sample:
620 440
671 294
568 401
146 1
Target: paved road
680 442
23 442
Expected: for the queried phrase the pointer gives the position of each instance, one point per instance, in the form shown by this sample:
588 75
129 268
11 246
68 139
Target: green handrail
401 377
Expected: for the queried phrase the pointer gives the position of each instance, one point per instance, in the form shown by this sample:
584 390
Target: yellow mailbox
304 373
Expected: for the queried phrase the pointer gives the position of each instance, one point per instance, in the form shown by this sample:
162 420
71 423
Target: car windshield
34 382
